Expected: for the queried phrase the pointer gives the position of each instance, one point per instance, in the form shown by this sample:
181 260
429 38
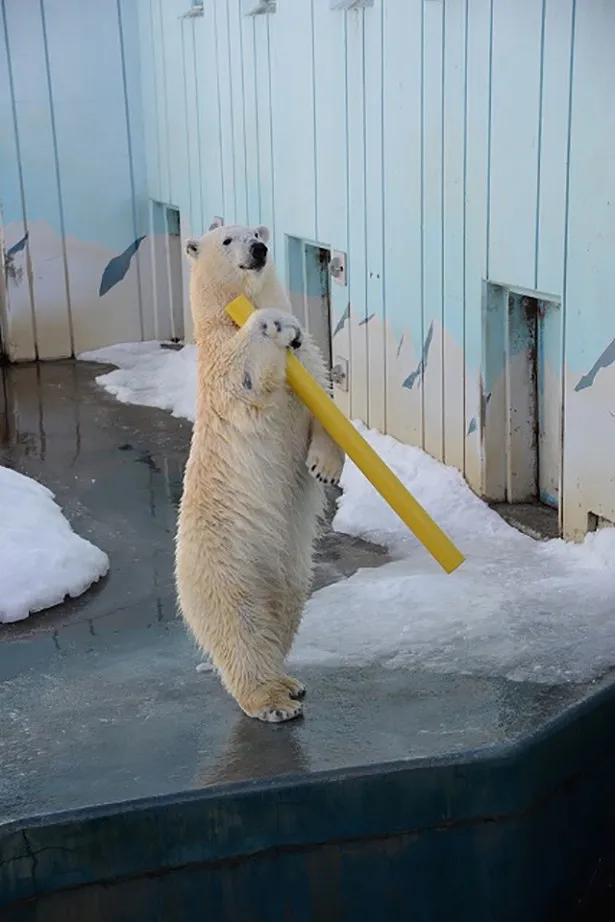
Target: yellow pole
367 460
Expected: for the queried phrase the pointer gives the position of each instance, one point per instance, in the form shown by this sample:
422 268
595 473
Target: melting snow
42 560
541 611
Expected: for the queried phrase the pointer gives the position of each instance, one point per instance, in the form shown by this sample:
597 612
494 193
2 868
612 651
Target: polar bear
253 484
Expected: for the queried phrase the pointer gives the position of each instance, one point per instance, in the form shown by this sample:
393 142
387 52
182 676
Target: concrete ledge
512 832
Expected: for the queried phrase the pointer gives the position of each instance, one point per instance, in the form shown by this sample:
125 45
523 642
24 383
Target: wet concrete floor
100 700
116 471
534 519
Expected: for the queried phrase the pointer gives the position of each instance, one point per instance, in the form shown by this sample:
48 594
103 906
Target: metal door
309 289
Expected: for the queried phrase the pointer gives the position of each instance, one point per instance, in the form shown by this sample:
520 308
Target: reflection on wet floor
116 470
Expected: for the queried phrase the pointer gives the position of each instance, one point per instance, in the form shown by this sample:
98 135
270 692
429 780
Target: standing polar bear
253 485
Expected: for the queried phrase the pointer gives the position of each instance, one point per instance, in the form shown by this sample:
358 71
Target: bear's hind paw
296 689
272 702
277 714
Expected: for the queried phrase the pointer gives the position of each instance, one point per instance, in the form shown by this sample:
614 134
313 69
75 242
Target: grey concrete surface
100 698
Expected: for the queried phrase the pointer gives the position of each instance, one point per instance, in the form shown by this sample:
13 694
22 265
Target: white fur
249 510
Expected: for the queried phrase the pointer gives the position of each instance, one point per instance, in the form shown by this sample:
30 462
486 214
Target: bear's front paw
325 461
281 327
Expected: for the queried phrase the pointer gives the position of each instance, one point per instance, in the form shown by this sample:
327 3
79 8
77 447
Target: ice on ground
517 608
42 560
149 375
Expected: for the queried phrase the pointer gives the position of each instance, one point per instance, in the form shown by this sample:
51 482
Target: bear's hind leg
289 606
249 657
293 595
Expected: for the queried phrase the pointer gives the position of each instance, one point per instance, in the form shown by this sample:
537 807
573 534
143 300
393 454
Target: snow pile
150 375
517 608
42 560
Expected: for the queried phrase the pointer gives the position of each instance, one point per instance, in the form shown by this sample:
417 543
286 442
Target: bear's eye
226 242
256 234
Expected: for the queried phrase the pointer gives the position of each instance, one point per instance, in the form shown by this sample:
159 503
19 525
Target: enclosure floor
533 519
101 700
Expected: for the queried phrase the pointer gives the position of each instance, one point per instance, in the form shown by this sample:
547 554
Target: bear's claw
280 326
296 689
325 461
272 702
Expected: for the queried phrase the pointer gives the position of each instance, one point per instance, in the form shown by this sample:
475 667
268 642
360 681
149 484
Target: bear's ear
192 248
217 222
263 233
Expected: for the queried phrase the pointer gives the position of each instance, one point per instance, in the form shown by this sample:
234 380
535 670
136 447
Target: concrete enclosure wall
458 155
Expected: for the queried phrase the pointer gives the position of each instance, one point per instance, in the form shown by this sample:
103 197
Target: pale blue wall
440 144
72 175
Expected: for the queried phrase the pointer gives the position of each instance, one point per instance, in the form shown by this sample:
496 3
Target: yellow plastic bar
367 460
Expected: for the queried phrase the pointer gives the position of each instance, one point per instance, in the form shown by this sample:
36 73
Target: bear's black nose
258 251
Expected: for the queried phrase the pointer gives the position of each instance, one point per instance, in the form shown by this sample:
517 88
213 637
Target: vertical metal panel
237 107
212 165
19 322
227 113
129 39
402 94
517 45
250 113
177 137
292 85
264 125
374 216
432 243
590 272
162 103
192 215
553 145
454 191
149 95
477 126
330 125
332 162
357 243
39 166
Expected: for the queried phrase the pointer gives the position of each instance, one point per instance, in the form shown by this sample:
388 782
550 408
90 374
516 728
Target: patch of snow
517 608
42 560
149 375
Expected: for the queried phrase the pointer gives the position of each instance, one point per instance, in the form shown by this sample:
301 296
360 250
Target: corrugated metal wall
453 149
440 144
73 196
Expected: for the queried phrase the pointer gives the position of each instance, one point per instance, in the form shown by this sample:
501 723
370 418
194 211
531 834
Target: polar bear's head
226 262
